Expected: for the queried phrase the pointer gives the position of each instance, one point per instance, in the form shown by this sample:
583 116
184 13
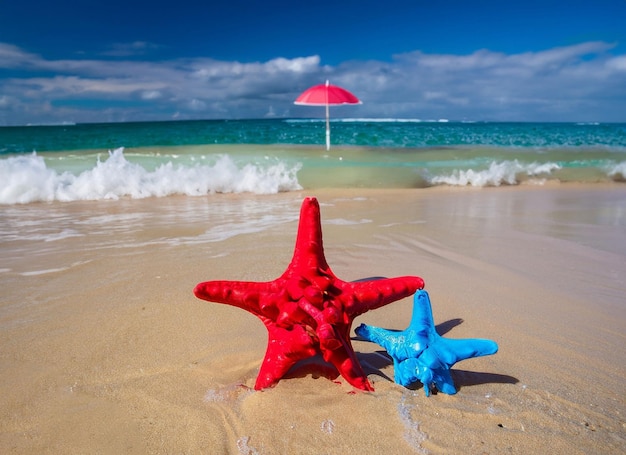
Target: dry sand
104 348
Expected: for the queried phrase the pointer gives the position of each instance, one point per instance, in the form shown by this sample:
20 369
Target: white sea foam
368 120
27 178
244 447
221 232
53 270
344 222
618 172
380 120
413 435
328 426
226 393
505 172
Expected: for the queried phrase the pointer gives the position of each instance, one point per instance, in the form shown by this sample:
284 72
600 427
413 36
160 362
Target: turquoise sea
156 159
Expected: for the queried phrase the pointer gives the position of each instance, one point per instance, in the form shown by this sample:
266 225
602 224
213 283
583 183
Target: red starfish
308 310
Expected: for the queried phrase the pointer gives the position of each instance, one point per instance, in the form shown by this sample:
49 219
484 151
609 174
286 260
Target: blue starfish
420 353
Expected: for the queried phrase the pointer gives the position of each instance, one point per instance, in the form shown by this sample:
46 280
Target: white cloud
12 57
617 63
197 105
151 95
583 82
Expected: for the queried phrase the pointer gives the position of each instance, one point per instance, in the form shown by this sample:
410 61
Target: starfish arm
383 337
344 359
425 375
284 349
422 318
443 381
242 294
309 249
411 370
451 351
406 372
369 295
399 345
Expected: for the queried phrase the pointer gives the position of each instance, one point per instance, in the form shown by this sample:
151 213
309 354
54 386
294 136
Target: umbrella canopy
326 95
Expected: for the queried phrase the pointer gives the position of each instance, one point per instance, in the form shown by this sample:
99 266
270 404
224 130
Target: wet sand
104 348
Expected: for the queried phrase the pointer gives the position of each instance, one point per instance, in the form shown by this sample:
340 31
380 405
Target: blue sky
108 60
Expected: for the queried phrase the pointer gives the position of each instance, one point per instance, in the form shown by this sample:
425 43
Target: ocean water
158 159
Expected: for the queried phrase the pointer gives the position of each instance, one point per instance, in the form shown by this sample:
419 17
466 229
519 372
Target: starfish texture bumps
308 310
420 353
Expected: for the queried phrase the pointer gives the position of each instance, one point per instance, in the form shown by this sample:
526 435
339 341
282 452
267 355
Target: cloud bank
583 82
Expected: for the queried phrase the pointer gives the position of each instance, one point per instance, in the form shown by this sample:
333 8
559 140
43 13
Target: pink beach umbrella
326 95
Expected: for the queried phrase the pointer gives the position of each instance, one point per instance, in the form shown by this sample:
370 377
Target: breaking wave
498 173
27 178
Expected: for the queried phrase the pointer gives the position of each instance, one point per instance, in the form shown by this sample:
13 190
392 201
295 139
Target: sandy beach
105 349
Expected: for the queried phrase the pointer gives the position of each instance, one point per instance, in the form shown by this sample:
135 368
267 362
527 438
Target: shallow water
109 161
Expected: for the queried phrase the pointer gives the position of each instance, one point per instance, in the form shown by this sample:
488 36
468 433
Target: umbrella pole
327 120
327 129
